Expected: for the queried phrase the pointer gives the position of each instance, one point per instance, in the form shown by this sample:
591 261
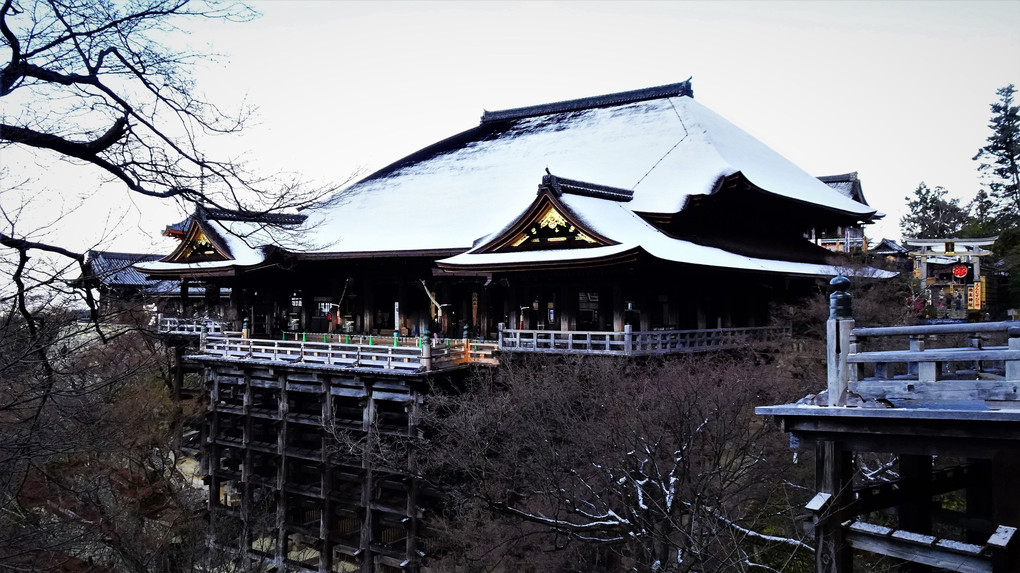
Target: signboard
974 298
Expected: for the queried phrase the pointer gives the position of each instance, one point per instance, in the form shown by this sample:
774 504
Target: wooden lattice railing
634 343
190 326
935 368
406 358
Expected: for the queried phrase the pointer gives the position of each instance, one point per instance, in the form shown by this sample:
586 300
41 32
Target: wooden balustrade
633 343
189 326
929 371
423 354
410 358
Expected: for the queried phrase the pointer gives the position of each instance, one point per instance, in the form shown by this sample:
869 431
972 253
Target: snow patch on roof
243 252
665 150
615 221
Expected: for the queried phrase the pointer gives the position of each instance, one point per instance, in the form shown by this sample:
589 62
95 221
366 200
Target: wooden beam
943 390
937 355
833 476
917 548
896 492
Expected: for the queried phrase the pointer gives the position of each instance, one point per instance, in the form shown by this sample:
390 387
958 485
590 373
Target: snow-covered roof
615 221
889 247
848 185
658 146
243 241
666 149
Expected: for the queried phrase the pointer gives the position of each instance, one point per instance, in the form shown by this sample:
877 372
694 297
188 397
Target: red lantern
959 271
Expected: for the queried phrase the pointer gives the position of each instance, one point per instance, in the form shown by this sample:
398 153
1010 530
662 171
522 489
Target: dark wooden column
833 476
367 526
178 380
281 474
979 499
915 511
326 478
1006 505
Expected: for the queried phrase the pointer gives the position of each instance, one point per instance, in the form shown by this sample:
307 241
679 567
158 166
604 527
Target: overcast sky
898 91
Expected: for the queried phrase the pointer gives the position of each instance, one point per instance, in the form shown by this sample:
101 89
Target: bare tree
96 83
99 84
602 464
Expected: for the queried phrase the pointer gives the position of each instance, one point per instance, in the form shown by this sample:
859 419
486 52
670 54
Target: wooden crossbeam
892 493
934 355
917 548
947 390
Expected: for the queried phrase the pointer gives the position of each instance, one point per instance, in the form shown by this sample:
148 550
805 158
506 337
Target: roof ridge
852 176
121 254
669 90
560 185
219 214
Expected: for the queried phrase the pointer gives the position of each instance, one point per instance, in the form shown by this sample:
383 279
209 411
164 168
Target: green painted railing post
324 338
283 336
396 341
304 337
370 340
347 339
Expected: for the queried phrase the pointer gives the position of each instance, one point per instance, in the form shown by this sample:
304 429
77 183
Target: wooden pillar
178 372
411 548
367 426
618 307
1006 503
915 511
837 336
326 482
833 476
368 311
184 297
234 312
281 474
246 465
979 498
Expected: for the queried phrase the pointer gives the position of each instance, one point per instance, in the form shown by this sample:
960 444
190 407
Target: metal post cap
840 300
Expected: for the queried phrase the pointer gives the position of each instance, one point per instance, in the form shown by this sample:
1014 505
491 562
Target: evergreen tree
1000 159
931 215
981 221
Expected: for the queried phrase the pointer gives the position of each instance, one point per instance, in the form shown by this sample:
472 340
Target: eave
413 253
624 257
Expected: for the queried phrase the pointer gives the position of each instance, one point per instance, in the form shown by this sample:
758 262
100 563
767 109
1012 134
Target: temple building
630 224
640 208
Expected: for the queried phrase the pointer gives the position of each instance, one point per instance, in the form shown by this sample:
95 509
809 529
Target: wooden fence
189 326
407 358
634 343
930 369
425 354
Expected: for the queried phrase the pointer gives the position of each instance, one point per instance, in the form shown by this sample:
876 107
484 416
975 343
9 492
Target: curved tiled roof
646 152
661 146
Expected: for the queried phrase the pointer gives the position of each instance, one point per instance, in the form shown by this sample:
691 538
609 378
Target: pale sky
898 91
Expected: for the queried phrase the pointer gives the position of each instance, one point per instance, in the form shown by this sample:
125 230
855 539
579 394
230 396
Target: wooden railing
406 358
425 354
929 371
633 343
189 326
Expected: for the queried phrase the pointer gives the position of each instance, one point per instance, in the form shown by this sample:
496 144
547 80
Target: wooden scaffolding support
918 404
287 490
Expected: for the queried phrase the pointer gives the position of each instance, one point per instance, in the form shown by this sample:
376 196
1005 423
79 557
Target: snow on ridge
664 149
